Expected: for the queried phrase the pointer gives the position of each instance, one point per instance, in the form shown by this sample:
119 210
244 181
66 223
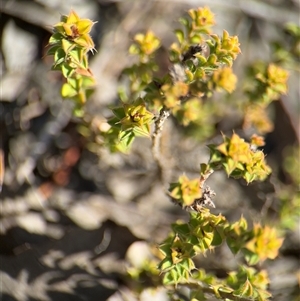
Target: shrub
201 68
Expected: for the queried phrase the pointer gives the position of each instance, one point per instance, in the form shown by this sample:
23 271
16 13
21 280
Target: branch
156 142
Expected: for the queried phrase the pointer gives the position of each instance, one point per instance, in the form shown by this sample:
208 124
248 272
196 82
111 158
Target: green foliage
267 82
238 158
289 207
130 120
248 282
289 195
205 231
201 66
288 55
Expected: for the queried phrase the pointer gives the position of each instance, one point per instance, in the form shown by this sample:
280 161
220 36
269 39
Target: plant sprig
69 44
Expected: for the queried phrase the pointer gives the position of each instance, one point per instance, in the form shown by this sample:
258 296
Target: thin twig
204 177
156 142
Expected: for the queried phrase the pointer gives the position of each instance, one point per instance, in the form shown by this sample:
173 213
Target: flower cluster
239 160
185 191
129 121
145 45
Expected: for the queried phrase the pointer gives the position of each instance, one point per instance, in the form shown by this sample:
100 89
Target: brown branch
204 177
156 143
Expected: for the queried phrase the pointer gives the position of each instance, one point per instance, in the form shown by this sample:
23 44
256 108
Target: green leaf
201 58
193 239
229 166
180 35
165 264
226 289
168 278
67 91
197 295
262 295
233 245
133 49
125 141
75 83
125 135
88 82
207 239
59 56
204 168
53 49
67 46
293 29
175 275
85 41
189 75
165 249
196 39
55 38
184 21
187 264
119 112
251 258
212 59
143 130
249 177
216 291
245 290
217 240
77 56
180 272
66 70
78 112
226 60
243 223
181 229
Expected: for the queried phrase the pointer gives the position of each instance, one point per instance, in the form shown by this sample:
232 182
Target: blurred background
73 216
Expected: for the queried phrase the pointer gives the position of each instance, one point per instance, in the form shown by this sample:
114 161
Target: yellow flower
236 148
185 190
256 115
265 242
230 44
76 30
145 45
148 42
224 78
277 78
137 117
202 17
173 93
257 140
